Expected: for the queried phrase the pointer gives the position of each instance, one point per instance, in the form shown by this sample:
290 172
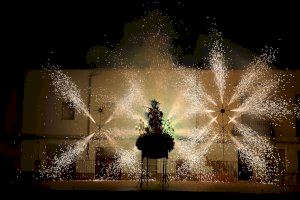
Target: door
245 171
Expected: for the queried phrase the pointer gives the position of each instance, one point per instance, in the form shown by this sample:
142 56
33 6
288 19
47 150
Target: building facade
116 99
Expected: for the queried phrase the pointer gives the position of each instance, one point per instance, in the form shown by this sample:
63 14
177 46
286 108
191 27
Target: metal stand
144 177
165 179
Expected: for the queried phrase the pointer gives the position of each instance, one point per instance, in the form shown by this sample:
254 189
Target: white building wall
42 110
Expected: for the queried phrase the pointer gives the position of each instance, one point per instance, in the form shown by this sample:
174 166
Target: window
235 131
104 111
245 171
68 111
260 126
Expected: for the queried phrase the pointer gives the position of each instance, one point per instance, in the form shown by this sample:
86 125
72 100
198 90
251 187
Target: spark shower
208 96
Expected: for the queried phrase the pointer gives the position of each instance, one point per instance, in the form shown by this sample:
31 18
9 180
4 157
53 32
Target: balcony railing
223 171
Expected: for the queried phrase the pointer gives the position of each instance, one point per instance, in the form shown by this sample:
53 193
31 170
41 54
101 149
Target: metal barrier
224 171
85 169
291 179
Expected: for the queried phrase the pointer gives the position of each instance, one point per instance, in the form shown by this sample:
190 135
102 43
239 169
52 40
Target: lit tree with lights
168 128
155 142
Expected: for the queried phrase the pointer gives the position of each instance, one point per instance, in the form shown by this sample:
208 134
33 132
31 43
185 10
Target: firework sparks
253 74
197 99
198 135
68 91
124 106
189 151
262 103
257 85
252 158
217 63
129 162
61 163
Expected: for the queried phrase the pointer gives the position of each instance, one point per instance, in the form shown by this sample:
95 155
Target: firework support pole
164 174
141 177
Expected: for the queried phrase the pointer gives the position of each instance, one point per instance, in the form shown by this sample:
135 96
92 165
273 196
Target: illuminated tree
155 141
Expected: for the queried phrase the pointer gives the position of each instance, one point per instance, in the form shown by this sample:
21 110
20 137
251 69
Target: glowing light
219 69
68 91
257 87
263 104
69 156
197 99
124 106
254 73
129 162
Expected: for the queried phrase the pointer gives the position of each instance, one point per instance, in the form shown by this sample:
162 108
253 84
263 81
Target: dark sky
68 29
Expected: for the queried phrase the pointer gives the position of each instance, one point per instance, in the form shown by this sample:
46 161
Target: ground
186 186
176 189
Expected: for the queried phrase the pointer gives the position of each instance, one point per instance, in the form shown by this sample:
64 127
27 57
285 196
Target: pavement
130 189
183 186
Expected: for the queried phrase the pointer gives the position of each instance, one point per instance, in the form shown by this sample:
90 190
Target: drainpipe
197 83
89 110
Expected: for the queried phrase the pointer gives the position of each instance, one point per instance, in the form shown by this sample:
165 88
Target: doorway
245 172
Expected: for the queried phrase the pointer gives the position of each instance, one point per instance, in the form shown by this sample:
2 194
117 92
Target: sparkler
257 85
65 88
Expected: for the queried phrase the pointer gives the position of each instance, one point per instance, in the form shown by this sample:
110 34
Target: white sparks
217 63
69 156
258 87
256 72
68 91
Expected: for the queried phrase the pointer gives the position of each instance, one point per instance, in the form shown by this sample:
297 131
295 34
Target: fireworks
66 89
254 73
258 88
215 113
124 106
69 156
195 95
219 69
128 161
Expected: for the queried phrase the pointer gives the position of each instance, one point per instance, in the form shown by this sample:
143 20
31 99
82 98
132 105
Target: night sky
30 32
